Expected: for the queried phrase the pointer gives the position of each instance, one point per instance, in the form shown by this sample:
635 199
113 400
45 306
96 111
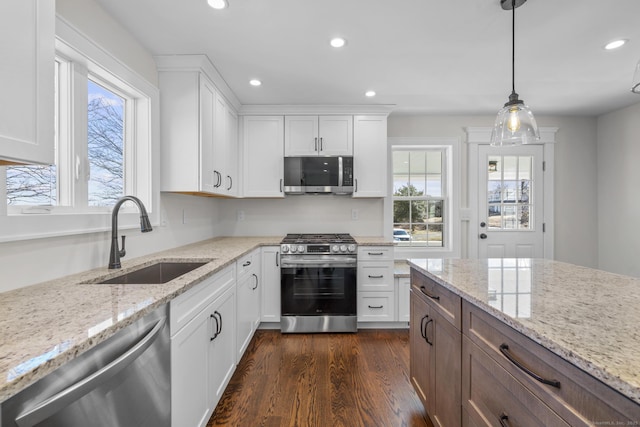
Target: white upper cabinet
318 136
199 132
370 156
262 156
27 43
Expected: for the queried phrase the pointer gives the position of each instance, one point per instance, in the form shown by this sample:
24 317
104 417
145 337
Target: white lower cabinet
248 299
403 287
376 284
376 307
270 284
203 351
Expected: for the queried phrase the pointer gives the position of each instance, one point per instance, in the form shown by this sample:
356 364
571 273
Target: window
419 196
106 116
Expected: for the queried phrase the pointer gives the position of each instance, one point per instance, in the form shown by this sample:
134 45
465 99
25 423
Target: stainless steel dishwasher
122 382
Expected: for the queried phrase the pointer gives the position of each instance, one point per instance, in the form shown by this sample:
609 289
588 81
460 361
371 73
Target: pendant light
515 123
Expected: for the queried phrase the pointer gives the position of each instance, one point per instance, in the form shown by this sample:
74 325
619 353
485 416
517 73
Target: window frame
84 58
451 195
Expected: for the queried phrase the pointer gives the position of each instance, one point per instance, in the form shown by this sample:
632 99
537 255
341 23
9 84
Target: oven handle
317 263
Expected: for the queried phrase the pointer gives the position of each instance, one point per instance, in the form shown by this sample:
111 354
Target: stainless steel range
318 283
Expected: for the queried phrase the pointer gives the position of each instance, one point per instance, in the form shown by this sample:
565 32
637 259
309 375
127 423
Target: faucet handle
122 251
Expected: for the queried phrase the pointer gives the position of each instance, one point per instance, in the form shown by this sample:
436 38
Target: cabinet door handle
504 349
375 253
376 306
315 144
215 334
256 286
504 420
424 291
278 259
355 190
281 189
230 182
320 143
219 323
423 329
376 277
246 264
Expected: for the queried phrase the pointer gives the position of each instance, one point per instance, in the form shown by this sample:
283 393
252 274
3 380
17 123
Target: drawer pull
424 291
504 349
246 264
504 420
376 277
376 306
376 253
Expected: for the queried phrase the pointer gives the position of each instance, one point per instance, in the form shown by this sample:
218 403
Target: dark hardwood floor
320 380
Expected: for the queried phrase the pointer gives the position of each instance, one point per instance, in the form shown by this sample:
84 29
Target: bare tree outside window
105 133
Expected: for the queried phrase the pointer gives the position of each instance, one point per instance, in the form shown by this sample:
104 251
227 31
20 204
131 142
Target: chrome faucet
145 227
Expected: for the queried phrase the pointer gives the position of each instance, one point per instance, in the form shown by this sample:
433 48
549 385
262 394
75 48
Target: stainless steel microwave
318 175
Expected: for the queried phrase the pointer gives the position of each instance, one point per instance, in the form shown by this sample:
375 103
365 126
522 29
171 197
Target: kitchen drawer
491 393
376 306
247 263
580 398
375 253
446 302
376 276
185 307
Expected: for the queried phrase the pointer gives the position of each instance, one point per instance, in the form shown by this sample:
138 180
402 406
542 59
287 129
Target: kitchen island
586 318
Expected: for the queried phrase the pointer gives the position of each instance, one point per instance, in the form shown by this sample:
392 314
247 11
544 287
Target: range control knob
335 248
352 248
285 248
300 248
343 248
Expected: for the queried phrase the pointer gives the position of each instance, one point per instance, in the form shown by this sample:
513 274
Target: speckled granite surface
373 241
588 317
45 325
401 268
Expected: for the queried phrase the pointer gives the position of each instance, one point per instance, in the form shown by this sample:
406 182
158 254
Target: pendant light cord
513 47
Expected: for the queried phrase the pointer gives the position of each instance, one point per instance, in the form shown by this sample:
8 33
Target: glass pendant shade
635 86
514 125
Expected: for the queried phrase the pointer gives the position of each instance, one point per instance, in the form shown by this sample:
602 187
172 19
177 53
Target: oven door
318 285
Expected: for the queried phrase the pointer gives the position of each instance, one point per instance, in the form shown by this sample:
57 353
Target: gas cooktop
318 238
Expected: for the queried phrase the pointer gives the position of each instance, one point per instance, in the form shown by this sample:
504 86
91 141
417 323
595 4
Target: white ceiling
424 56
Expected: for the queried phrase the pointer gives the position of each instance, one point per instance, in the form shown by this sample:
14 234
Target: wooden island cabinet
473 368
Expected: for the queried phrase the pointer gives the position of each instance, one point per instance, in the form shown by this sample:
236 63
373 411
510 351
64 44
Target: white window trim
452 246
61 221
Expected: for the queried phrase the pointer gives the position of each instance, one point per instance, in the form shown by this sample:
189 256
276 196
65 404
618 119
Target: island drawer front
490 392
443 300
581 399
185 307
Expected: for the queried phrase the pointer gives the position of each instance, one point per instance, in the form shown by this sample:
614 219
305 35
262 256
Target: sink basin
161 272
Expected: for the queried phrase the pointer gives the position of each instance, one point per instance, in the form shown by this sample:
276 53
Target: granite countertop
588 317
373 241
45 325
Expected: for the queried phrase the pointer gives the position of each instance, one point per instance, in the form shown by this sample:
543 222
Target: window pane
31 185
495 216
434 232
509 218
510 167
400 172
401 211
435 211
105 130
495 168
523 216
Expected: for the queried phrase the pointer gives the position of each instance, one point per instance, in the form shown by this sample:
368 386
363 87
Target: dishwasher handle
55 403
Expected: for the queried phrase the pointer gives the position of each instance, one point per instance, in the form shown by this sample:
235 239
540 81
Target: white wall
575 175
301 214
619 191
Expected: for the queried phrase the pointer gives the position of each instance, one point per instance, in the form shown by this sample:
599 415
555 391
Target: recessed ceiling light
255 82
615 44
218 4
370 93
338 42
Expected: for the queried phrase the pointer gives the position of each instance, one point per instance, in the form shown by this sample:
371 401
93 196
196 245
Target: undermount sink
161 272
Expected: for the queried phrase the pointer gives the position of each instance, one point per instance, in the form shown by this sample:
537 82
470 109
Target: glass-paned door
511 202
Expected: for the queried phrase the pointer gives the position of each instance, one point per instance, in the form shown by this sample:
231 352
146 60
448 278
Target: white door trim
482 135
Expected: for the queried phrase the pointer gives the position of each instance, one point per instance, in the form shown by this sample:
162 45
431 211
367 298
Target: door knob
483 236
483 224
